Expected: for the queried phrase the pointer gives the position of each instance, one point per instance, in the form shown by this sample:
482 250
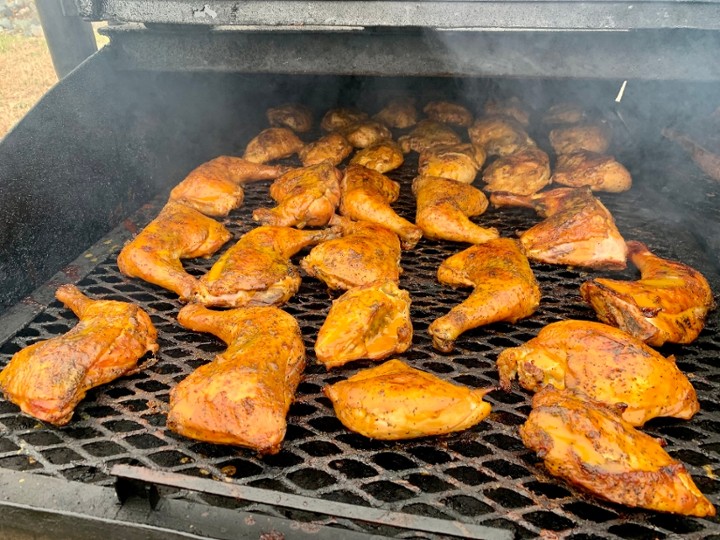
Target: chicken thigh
564 113
337 119
271 144
333 147
590 136
366 133
290 115
524 172
511 107
598 172
383 156
398 113
459 162
426 134
499 135
448 113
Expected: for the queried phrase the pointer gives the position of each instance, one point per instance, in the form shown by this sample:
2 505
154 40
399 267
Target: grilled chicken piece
215 188
607 365
179 232
444 208
337 119
668 304
366 253
565 113
306 197
578 231
366 196
525 172
511 107
290 115
49 378
591 136
448 113
370 321
398 113
366 133
333 147
257 271
242 397
394 401
704 151
597 171
383 156
271 144
499 135
589 446
459 162
505 289
428 133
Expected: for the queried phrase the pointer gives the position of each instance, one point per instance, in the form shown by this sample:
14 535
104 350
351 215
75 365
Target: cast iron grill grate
483 475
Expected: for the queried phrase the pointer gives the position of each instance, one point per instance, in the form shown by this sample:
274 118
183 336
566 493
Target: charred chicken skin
394 401
333 147
179 232
511 107
444 208
305 197
448 113
499 135
338 119
578 229
370 321
242 397
383 156
598 172
215 188
565 113
459 162
523 173
607 365
49 378
366 133
290 115
588 445
505 289
590 136
271 144
669 303
428 133
399 113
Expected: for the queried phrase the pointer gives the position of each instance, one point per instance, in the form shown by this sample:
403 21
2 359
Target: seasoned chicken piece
179 232
499 135
591 136
589 446
578 231
505 289
394 401
366 196
383 156
49 378
607 365
459 162
524 172
598 172
242 397
333 147
257 269
668 304
271 144
216 187
565 113
337 119
366 133
371 321
444 208
398 113
290 115
306 197
511 107
428 133
365 254
448 113
704 150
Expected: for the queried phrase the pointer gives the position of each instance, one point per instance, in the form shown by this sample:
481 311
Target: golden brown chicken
588 445
371 321
511 107
242 397
448 113
49 378
291 115
444 209
597 171
366 196
366 133
333 147
607 365
337 119
179 232
459 162
271 144
565 113
590 136
394 401
499 135
505 289
257 271
215 188
365 254
524 172
398 113
383 156
306 197
578 229
668 304
428 133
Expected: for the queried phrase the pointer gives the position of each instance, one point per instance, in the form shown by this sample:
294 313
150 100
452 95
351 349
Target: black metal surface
69 38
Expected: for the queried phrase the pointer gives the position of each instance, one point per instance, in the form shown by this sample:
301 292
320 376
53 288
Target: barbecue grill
182 82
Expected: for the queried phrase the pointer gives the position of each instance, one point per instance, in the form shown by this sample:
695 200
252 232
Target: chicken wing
394 401
257 271
428 133
337 119
588 445
524 172
505 289
371 321
565 113
49 378
290 115
383 156
215 188
668 304
511 107
306 197
578 231
598 172
459 162
607 365
590 136
242 397
271 144
398 113
499 135
444 208
448 113
366 133
179 232
333 147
